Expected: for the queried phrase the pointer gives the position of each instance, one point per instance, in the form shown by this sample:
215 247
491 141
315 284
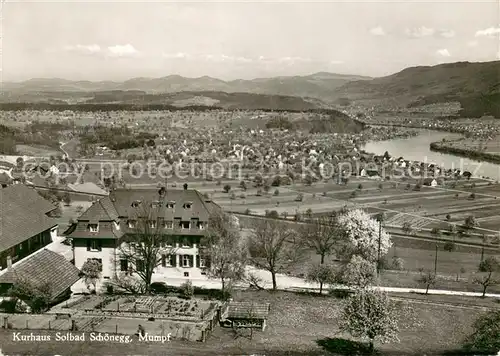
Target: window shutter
88 244
99 245
191 260
207 261
197 261
173 260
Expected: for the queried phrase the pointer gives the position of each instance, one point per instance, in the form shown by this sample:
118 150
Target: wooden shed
248 314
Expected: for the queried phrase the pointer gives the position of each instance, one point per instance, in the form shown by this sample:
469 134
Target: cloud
377 31
472 43
447 33
122 51
443 52
489 32
178 55
84 49
419 32
225 58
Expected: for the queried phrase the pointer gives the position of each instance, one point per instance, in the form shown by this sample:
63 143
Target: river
418 149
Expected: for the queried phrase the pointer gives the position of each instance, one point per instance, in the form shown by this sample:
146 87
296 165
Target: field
486 146
297 324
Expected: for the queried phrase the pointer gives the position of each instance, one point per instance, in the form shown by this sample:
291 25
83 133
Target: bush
398 263
187 290
159 288
109 289
340 293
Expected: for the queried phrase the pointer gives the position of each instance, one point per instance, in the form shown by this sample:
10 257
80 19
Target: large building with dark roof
25 225
180 215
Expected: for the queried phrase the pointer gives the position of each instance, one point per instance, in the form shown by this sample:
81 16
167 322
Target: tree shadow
345 347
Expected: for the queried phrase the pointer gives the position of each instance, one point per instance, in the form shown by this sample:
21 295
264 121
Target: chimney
9 262
185 186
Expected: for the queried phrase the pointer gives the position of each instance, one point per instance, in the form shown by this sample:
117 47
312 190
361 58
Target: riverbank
473 154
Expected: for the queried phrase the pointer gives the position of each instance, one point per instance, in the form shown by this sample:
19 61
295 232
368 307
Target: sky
118 40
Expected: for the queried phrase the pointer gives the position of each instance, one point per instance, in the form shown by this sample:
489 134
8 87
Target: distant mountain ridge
320 85
475 85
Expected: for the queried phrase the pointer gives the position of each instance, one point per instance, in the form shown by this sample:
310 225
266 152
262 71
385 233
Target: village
263 174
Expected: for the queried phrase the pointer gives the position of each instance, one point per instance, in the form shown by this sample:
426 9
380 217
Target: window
94 245
202 262
186 274
201 225
165 260
186 261
169 224
123 265
156 204
131 224
140 265
117 225
186 242
188 205
93 227
136 203
152 224
171 204
185 225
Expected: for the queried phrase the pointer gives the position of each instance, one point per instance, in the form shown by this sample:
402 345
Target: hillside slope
475 85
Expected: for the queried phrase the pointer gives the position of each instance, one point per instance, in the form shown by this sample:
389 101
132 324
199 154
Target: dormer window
132 224
188 205
156 204
185 225
93 227
171 204
152 224
201 225
136 203
169 224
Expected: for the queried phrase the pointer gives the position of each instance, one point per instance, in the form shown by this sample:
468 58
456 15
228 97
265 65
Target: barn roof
248 310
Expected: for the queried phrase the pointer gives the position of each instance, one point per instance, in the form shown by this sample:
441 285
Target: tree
407 228
320 273
274 247
243 185
224 250
449 246
427 279
323 236
435 232
226 188
36 296
486 336
489 266
470 222
144 246
91 271
358 273
67 199
371 315
363 236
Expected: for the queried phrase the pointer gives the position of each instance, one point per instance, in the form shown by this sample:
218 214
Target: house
181 216
25 224
43 267
430 182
